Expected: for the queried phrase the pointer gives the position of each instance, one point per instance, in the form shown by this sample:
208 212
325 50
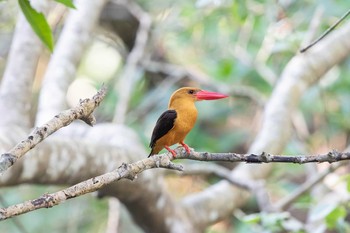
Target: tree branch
125 171
257 188
83 112
330 29
330 157
130 171
284 203
216 170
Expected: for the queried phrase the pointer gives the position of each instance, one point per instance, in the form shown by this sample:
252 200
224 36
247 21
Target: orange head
188 95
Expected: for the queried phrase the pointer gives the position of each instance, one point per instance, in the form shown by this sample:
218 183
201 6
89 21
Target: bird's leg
186 147
171 151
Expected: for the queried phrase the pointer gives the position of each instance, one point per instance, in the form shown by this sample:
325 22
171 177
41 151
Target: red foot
171 151
186 147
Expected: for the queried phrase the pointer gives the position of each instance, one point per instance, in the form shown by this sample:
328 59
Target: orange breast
186 119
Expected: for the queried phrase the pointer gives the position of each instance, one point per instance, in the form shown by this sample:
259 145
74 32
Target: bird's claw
187 149
171 151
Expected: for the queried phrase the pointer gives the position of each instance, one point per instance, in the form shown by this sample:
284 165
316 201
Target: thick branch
16 86
83 111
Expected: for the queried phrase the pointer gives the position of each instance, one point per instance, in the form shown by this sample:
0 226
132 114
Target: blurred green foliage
38 22
235 44
86 214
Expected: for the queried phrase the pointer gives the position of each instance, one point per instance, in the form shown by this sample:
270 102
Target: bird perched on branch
175 123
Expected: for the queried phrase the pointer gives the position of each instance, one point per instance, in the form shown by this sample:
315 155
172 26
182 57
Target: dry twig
326 32
330 157
126 171
284 203
257 188
83 112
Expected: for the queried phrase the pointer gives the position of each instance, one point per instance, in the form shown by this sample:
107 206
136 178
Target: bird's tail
154 151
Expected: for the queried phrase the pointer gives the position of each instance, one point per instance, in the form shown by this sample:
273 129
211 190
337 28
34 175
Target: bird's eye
191 92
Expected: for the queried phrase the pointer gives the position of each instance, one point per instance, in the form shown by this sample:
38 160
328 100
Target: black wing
164 123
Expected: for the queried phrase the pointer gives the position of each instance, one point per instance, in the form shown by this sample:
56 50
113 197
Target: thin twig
17 222
83 112
284 203
326 32
217 170
314 26
257 188
330 157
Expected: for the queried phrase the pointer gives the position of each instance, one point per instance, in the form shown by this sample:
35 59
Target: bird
174 124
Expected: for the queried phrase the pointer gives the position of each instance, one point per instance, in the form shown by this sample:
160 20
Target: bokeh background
146 50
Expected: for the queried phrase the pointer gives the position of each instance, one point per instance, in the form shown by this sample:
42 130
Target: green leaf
348 183
67 3
252 219
38 23
335 216
321 210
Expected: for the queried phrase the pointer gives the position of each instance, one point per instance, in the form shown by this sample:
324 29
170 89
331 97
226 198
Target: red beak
207 95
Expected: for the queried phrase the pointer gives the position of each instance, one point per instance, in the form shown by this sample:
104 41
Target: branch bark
330 157
125 171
